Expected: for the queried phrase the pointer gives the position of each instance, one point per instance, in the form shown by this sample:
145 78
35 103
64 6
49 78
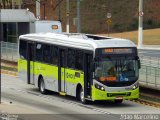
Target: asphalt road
54 106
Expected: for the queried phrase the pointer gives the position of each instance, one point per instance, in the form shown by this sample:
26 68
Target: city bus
88 67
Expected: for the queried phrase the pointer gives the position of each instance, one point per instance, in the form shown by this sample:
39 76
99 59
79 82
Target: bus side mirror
139 64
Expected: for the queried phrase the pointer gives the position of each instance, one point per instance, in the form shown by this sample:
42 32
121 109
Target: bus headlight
135 86
99 87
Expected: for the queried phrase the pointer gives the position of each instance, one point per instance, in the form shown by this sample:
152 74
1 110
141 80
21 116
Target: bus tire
81 96
42 86
118 101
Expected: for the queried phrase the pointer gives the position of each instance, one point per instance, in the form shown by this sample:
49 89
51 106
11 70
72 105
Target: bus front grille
118 94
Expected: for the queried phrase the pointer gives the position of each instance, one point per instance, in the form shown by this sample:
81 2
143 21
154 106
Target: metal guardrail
9 51
149 73
150 61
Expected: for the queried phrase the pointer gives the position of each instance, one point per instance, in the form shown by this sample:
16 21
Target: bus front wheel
81 96
42 87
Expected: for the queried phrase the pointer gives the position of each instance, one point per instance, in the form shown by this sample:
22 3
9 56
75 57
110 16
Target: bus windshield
119 69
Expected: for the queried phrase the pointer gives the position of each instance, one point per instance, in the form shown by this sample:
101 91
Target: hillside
93 14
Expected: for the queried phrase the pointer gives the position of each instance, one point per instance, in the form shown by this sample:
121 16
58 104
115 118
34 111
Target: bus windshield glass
120 69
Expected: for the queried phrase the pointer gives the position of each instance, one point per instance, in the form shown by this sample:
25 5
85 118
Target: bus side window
79 60
39 52
46 53
23 49
54 55
71 58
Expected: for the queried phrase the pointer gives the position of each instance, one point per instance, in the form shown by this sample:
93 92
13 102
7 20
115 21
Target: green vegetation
94 14
9 68
124 15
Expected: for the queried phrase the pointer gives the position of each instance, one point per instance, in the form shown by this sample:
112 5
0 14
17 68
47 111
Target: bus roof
79 40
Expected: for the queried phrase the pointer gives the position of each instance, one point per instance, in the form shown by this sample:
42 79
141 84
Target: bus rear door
87 74
61 71
30 63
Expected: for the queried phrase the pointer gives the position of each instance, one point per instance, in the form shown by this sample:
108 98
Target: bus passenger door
87 74
30 63
61 71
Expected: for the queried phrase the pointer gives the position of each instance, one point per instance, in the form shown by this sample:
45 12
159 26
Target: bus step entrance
62 93
88 98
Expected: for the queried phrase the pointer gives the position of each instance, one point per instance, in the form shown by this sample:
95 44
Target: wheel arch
78 88
39 78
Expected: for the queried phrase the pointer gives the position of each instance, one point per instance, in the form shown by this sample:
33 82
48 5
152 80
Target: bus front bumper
104 95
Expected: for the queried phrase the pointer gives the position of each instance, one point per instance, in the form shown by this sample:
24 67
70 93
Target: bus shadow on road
71 99
111 104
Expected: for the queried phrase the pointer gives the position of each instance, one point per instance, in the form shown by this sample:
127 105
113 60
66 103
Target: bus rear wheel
42 86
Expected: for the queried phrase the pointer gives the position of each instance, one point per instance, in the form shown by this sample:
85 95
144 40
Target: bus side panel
22 69
49 73
73 77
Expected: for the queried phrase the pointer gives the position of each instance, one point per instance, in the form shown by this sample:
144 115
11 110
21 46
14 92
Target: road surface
28 103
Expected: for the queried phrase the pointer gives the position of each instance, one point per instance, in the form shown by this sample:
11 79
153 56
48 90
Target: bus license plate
119 98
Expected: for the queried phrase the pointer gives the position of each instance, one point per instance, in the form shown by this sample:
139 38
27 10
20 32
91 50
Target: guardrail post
155 76
158 63
12 51
146 75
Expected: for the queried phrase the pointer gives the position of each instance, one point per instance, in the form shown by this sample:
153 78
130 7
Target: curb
9 72
146 102
149 48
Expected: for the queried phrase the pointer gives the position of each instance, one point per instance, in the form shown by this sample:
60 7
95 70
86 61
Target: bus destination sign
117 51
